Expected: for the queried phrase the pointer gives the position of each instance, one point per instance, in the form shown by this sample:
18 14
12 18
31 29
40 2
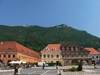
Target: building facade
51 53
94 54
72 53
12 51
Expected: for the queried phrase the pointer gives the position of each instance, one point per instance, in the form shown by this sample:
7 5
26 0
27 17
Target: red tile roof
51 46
93 51
15 47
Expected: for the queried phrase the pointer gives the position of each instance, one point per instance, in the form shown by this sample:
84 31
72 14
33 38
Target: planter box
78 73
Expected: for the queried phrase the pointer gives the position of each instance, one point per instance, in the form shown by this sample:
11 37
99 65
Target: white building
94 54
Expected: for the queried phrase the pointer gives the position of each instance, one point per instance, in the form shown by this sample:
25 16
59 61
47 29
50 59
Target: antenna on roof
27 25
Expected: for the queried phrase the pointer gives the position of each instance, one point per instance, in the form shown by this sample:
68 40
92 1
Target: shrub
80 66
72 69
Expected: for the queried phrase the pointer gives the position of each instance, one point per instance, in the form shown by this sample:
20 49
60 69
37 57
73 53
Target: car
41 64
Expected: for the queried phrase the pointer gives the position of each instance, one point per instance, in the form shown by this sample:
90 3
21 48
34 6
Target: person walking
95 66
58 71
43 65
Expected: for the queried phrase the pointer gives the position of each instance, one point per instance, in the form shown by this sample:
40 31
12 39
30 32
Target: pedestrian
95 65
43 65
58 71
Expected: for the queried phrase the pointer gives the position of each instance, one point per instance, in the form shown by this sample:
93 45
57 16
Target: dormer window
9 48
47 48
63 48
76 49
67 49
71 48
54 48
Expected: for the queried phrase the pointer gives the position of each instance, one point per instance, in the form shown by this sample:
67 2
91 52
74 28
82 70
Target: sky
78 14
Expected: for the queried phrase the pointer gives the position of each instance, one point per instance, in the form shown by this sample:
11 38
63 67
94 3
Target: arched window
63 55
4 55
44 56
9 56
13 56
51 56
57 56
48 56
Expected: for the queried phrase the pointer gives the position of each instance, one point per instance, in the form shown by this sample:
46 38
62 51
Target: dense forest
36 37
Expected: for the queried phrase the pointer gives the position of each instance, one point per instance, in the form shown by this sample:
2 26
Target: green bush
72 69
80 66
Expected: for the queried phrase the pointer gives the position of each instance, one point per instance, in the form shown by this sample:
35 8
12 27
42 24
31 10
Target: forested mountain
36 37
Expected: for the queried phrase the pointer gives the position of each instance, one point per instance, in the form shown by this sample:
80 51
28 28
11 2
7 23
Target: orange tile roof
15 47
51 46
93 51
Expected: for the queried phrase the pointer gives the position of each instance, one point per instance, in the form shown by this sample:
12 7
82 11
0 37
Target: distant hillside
36 37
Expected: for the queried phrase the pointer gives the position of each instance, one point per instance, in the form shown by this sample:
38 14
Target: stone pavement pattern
51 71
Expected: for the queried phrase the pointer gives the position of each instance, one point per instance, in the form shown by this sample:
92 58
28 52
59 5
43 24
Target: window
22 49
4 55
67 49
47 48
54 48
72 55
86 55
76 55
51 56
67 55
57 56
44 56
96 56
63 48
0 55
9 56
13 56
76 48
81 55
71 48
93 57
51 61
63 55
9 48
48 56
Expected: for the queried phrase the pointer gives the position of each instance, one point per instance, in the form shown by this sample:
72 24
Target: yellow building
12 51
51 53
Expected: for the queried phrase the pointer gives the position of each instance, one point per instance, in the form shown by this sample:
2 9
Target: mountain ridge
37 37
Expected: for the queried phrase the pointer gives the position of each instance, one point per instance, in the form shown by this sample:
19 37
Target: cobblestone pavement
49 71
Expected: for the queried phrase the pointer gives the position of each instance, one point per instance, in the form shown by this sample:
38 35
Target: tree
80 66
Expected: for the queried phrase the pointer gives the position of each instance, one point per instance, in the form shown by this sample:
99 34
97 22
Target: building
12 51
72 53
94 54
51 53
